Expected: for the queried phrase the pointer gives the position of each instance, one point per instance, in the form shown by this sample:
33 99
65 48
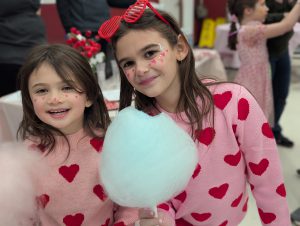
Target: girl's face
149 63
260 11
55 102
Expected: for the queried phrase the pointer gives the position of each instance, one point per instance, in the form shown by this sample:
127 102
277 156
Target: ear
248 11
88 103
182 48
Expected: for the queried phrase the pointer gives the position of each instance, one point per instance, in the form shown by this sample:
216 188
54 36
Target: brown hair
236 8
67 62
191 86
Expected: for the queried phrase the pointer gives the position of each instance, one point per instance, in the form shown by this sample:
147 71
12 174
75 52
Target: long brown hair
67 63
191 86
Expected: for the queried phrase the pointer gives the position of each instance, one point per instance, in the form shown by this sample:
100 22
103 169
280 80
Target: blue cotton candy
145 160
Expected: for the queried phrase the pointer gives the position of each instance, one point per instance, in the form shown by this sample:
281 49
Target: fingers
147 218
149 222
146 213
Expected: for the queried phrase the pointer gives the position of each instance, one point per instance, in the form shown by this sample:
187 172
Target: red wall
54 29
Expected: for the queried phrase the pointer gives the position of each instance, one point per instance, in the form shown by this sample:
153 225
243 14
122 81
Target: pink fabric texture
71 192
237 151
254 72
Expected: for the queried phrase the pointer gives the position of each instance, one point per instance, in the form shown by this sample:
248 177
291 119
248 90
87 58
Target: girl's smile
55 102
150 64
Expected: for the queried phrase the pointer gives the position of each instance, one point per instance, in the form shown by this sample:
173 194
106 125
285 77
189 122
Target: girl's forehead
47 74
135 40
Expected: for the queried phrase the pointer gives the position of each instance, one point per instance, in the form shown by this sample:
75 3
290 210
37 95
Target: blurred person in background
87 16
21 28
279 58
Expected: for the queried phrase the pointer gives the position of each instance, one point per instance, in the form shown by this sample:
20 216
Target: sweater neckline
74 139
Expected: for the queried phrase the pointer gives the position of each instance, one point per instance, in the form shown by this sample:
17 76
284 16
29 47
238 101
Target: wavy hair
68 63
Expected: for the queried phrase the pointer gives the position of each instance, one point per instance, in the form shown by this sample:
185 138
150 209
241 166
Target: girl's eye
151 53
127 64
68 88
41 91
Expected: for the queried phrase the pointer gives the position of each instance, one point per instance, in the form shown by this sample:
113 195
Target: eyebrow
59 83
142 50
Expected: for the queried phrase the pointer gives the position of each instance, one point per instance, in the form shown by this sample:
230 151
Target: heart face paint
154 56
158 60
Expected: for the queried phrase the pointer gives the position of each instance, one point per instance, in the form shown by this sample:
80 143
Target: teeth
58 111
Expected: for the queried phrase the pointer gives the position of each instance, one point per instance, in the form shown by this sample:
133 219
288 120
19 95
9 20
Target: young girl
235 143
250 42
65 118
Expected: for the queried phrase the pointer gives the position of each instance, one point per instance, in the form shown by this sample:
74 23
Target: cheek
159 60
38 105
38 101
129 73
77 99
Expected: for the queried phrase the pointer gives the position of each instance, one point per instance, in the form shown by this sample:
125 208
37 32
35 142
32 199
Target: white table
10 116
230 58
208 63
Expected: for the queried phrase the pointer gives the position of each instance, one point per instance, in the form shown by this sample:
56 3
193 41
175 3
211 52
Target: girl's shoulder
231 89
251 29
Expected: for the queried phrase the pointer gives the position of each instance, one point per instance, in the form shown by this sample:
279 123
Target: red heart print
75 220
201 216
281 190
69 172
234 126
243 109
245 207
267 131
181 197
43 200
266 218
224 223
121 223
233 160
97 143
221 100
219 192
182 222
237 201
99 191
260 168
164 206
106 222
206 135
197 171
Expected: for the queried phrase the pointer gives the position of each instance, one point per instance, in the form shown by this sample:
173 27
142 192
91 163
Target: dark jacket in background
120 3
278 45
20 29
82 14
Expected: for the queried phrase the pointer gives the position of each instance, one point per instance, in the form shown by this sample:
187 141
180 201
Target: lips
58 113
147 81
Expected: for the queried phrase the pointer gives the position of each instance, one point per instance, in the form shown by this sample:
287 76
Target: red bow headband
131 15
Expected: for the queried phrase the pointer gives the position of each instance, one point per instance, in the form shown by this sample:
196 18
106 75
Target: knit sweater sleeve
263 167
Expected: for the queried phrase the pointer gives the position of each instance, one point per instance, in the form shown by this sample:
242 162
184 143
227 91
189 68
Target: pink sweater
70 192
239 150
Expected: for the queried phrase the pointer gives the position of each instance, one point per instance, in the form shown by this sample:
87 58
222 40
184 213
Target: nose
142 68
55 97
267 8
